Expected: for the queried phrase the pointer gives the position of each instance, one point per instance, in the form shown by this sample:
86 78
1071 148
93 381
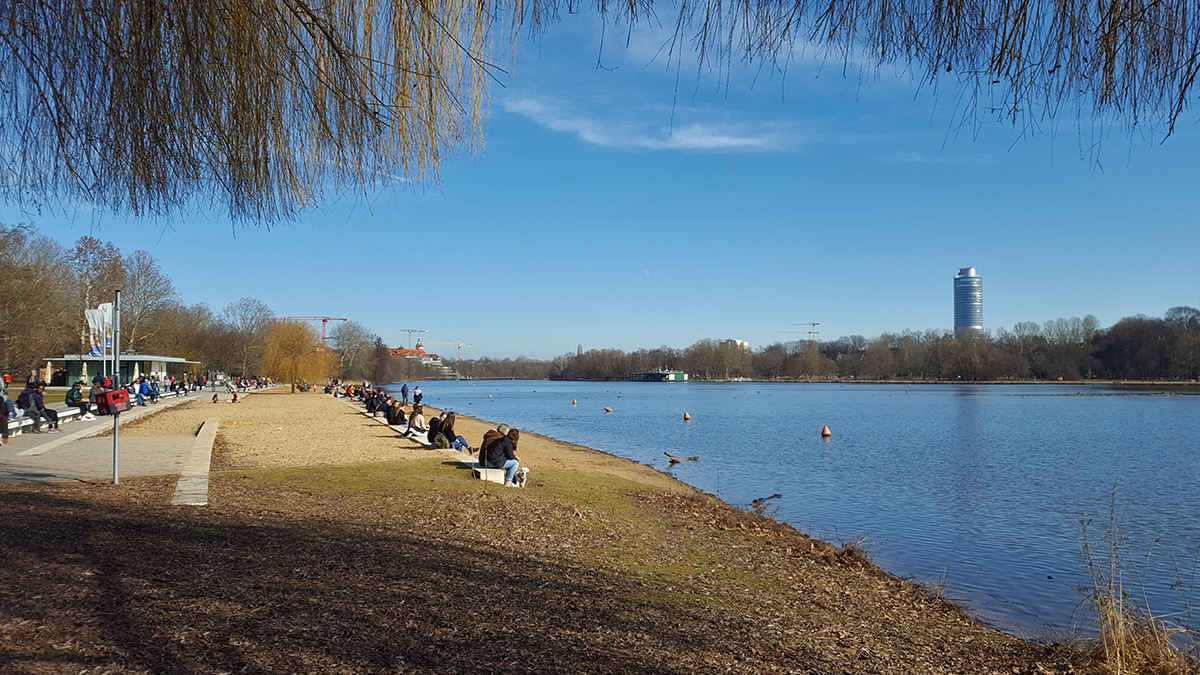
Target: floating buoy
607 409
686 417
489 395
574 402
825 433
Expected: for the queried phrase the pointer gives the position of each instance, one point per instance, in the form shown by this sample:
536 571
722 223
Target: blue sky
638 205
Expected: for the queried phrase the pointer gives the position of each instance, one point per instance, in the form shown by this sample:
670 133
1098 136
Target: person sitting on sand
416 420
434 436
501 454
394 413
452 438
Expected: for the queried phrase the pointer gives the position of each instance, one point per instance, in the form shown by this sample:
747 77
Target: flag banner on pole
95 321
100 329
107 309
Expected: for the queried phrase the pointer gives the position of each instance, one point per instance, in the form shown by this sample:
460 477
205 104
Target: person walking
404 394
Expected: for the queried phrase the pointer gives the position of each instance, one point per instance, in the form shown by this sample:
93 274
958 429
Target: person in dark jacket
501 454
452 436
34 405
76 398
6 408
95 393
395 413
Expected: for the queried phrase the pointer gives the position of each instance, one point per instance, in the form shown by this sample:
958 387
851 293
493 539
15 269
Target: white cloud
621 129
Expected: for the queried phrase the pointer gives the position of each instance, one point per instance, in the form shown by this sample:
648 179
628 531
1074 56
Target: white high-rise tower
968 303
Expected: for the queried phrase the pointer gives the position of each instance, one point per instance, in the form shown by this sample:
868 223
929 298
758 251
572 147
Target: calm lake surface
979 487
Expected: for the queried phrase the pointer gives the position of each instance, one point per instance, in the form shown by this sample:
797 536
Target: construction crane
410 332
323 319
812 330
460 344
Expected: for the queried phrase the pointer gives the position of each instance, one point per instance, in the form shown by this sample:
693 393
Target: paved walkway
79 454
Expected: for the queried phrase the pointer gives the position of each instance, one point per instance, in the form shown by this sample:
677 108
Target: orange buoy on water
686 417
825 433
607 409
489 395
574 402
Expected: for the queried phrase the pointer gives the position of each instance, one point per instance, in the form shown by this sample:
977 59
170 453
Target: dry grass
1132 640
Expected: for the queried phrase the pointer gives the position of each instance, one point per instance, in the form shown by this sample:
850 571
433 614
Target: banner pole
116 383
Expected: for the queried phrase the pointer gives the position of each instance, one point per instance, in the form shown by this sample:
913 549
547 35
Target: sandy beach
330 544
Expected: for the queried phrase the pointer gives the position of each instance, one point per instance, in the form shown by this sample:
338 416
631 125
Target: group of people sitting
497 451
30 404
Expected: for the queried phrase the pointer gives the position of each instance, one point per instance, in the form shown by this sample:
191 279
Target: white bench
15 427
477 471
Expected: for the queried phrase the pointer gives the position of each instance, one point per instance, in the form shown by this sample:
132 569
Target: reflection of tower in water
968 303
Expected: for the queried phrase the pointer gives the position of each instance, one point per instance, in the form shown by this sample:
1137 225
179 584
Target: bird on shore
676 460
757 503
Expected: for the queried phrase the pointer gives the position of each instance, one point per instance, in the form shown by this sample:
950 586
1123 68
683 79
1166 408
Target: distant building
73 367
659 375
738 343
968 303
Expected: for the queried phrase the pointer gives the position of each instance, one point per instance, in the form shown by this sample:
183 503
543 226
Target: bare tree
99 270
36 309
147 291
248 323
354 345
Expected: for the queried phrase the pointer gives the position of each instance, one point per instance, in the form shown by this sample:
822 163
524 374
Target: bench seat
493 475
15 427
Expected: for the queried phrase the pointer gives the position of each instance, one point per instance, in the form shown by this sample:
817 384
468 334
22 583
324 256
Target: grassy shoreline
390 558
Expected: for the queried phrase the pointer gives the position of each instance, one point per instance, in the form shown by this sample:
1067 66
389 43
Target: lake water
980 488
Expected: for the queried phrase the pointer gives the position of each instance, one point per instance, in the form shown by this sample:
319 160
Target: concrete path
77 453
90 459
192 489
26 449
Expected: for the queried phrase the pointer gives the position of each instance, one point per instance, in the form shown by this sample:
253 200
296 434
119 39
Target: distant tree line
1135 348
48 286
